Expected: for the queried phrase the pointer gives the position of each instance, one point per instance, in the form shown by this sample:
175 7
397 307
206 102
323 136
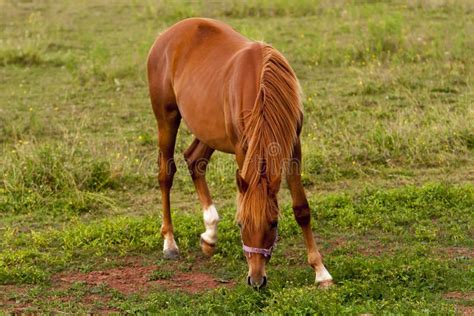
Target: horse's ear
274 186
241 183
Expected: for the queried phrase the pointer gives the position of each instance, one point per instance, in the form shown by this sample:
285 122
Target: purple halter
266 252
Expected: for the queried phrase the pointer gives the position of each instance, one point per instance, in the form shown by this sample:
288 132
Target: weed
160 275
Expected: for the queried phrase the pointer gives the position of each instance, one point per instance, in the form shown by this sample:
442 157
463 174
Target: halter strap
266 252
262 251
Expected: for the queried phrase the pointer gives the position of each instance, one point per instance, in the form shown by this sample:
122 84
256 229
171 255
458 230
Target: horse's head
257 217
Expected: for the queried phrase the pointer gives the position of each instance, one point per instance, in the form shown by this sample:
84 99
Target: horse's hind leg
197 157
168 118
303 217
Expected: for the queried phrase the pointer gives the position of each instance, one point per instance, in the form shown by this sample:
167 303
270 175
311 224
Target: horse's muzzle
257 284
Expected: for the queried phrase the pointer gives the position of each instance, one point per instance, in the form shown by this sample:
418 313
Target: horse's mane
269 136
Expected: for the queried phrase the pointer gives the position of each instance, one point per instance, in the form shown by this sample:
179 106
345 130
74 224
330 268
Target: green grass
388 147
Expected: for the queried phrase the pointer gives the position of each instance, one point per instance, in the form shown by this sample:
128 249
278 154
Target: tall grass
53 180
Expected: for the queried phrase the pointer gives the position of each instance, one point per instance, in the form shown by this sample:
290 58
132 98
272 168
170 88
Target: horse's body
237 96
186 57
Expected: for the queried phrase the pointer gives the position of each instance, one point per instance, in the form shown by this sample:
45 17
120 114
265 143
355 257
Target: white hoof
170 249
322 275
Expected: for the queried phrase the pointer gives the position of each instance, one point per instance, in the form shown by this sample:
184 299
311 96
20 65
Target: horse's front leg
167 130
197 157
303 217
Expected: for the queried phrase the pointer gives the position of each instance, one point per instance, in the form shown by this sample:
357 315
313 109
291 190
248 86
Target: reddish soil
6 290
461 296
335 243
135 279
10 298
456 252
465 310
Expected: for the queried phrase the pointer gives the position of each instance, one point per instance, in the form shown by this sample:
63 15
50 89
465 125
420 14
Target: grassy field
388 146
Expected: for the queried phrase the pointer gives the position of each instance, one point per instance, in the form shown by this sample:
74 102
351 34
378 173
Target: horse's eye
274 224
240 225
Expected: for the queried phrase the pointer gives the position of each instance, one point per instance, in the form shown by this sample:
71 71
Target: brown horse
241 97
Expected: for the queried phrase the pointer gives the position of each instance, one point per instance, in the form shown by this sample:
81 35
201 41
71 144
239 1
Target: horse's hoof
325 284
171 254
207 248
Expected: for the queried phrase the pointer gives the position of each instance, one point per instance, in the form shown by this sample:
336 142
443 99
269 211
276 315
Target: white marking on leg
169 243
211 218
322 274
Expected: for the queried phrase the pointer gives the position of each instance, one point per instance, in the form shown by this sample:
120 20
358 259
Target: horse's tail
270 133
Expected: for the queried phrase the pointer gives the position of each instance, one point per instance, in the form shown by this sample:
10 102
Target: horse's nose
260 283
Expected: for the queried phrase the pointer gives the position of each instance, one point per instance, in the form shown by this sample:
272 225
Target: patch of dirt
133 276
465 310
13 289
126 279
136 279
11 297
466 296
15 307
336 243
458 252
91 299
371 247
460 297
